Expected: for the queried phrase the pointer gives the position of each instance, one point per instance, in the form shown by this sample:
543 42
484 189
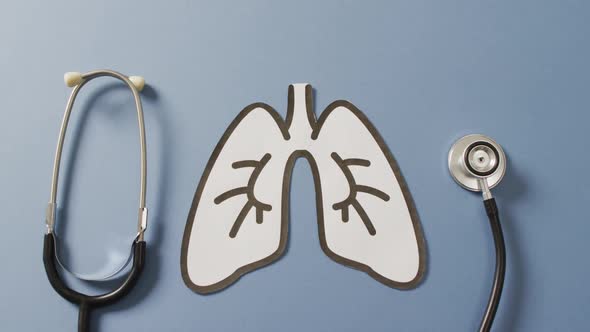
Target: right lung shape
238 221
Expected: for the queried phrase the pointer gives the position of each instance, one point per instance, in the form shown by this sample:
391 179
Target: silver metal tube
485 190
50 217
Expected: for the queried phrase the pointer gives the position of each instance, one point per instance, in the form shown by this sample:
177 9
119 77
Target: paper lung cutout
239 218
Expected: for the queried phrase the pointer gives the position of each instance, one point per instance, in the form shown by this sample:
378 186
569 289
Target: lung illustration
239 217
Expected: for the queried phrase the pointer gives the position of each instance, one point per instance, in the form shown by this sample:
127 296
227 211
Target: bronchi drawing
354 189
239 217
260 207
249 191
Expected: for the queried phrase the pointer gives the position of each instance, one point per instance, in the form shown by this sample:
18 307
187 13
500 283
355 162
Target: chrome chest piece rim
474 158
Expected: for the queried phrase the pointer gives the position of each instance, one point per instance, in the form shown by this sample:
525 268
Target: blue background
424 72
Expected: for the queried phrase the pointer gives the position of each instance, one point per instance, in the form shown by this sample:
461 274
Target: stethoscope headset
138 246
477 163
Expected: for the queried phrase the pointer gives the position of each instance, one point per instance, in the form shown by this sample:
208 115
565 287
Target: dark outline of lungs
239 218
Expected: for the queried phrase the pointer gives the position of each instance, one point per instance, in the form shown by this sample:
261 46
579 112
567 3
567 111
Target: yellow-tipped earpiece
138 82
72 78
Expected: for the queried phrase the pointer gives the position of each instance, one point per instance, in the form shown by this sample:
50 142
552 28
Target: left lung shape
238 221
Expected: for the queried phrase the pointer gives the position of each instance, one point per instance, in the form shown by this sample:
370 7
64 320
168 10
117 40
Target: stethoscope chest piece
478 163
474 158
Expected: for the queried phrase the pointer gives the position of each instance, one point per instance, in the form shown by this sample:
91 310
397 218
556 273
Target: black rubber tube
88 302
500 272
84 318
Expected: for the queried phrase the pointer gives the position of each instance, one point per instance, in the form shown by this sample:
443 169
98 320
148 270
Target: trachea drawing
239 217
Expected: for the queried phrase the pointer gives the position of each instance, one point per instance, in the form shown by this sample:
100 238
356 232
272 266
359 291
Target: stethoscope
478 163
138 246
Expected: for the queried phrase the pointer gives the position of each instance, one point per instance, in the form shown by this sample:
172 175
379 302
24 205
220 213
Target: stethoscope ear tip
476 159
72 78
138 82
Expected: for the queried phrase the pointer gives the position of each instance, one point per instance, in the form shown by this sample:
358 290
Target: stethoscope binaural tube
50 260
478 163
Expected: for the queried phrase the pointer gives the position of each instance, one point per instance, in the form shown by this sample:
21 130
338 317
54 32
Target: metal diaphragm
476 157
